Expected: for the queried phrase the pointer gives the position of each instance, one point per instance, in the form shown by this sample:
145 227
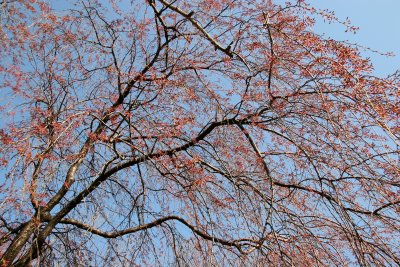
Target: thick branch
188 16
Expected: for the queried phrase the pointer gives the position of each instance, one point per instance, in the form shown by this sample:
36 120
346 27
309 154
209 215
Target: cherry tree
193 133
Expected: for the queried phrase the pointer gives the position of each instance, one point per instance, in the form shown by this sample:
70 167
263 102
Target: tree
193 133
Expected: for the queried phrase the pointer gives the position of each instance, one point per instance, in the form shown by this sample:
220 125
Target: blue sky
379 22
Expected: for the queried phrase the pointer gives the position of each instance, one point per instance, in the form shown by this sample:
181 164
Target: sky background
379 23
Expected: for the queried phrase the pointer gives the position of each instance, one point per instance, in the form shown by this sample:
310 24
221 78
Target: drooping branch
238 243
146 226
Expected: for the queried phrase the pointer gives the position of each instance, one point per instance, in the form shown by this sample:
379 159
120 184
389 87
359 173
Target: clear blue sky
379 22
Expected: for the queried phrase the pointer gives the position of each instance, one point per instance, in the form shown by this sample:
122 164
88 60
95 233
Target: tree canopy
193 133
